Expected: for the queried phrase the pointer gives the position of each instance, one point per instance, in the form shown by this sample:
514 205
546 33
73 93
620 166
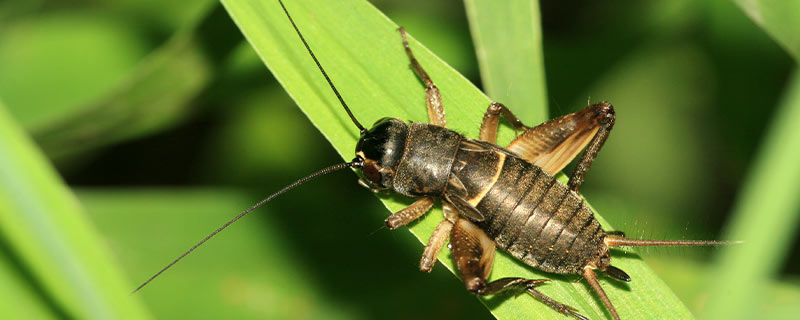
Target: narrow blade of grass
19 296
779 19
153 96
765 217
45 229
508 43
251 291
362 53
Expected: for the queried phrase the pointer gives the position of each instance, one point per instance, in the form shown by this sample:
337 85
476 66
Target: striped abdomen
526 211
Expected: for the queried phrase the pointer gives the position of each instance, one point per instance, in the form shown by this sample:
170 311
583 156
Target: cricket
493 197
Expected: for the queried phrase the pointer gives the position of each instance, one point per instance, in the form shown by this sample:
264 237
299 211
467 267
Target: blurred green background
161 123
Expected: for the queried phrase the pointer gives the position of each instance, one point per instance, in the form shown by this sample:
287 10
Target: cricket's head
381 148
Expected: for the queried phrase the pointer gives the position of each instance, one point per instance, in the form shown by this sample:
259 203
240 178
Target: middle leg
438 238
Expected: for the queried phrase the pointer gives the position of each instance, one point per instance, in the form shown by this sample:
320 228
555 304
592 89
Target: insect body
500 197
492 196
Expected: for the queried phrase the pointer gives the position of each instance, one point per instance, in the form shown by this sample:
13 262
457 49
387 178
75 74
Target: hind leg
591 278
553 144
491 119
605 117
473 252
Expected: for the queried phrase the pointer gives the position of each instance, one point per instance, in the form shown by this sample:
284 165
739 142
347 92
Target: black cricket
492 196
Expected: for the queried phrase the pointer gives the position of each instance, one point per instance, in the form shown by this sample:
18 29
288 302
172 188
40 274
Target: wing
553 144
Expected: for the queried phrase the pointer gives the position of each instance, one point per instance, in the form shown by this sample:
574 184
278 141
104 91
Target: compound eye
371 171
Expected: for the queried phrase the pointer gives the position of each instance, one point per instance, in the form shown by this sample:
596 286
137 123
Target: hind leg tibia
491 120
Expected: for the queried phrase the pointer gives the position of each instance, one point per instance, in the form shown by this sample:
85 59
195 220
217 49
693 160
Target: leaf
361 51
48 235
778 297
508 43
18 296
155 95
47 51
765 217
219 290
779 19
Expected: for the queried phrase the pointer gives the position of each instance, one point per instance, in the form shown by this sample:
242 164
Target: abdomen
528 213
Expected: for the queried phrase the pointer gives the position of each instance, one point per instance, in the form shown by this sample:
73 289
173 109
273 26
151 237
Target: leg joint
604 113
495 108
476 286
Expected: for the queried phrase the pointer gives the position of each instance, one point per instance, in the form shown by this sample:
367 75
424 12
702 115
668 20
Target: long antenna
358 162
330 83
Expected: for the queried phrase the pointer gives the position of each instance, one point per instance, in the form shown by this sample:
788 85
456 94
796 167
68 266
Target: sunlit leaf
769 197
45 228
780 19
508 42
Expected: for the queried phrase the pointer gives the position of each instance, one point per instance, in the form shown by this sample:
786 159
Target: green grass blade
48 69
765 217
46 231
155 95
269 281
778 296
361 51
18 296
508 43
780 19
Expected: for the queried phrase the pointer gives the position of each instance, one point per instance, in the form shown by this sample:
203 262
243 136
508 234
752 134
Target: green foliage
137 103
779 19
347 57
508 43
253 286
52 237
769 197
